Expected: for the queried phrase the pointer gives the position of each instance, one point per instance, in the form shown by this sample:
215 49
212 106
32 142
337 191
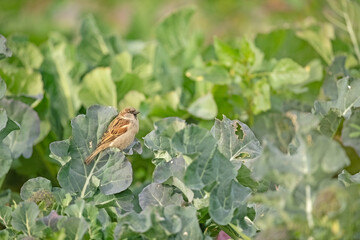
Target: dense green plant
285 180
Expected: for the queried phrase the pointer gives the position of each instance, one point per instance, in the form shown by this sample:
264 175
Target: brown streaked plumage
120 132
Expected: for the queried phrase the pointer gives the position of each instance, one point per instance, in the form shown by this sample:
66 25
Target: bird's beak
137 112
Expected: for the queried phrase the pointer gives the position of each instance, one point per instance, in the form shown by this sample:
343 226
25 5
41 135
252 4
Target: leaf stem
309 216
87 181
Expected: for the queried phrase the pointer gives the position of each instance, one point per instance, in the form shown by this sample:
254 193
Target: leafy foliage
287 165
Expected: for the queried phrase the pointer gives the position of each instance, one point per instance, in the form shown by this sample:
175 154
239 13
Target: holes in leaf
238 131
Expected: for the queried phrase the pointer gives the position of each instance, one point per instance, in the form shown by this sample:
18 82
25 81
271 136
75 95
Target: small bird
120 133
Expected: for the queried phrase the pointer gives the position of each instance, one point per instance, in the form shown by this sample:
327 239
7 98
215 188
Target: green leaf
283 43
24 219
9 127
244 56
159 195
190 228
121 64
276 128
173 168
225 198
27 53
261 96
335 72
245 179
204 107
98 88
6 124
350 134
127 83
22 82
93 47
173 173
348 98
160 139
21 142
5 216
173 33
319 37
161 223
59 151
214 74
5 197
287 73
110 171
4 50
330 123
2 88
59 83
33 185
75 228
315 159
347 179
208 164
123 200
236 141
132 98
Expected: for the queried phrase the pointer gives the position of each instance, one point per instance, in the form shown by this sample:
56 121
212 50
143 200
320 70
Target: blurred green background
137 19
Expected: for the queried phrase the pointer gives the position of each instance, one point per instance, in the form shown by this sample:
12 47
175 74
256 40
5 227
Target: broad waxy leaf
204 107
110 170
225 198
173 168
121 200
347 179
9 127
162 223
159 195
348 98
329 123
5 216
160 139
236 141
351 132
98 88
4 50
287 73
24 219
208 164
173 171
21 142
33 185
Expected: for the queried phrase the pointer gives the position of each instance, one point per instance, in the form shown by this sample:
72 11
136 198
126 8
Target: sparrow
120 132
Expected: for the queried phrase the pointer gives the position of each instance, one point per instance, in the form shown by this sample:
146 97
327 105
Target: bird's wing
116 128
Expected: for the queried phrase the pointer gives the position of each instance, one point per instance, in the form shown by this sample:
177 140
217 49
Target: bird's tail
93 155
